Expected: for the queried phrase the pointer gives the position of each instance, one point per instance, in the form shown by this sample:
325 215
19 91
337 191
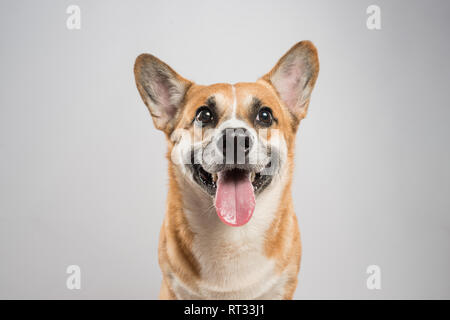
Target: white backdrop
83 171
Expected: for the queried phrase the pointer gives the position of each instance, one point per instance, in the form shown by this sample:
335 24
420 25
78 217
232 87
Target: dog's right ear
161 88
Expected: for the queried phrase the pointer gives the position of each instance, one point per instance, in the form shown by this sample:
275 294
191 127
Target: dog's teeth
252 176
214 176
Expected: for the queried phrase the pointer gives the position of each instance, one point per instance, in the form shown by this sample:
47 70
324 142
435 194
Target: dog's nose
235 144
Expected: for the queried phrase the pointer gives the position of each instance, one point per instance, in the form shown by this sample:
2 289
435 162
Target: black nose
235 145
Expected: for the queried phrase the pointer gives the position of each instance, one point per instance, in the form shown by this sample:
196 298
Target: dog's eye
204 116
264 117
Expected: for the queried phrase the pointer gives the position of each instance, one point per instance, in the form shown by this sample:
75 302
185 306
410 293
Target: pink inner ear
161 90
288 82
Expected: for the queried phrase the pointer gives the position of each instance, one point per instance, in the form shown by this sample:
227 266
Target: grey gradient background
83 173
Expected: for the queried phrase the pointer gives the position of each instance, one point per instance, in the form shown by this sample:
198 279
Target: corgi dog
230 231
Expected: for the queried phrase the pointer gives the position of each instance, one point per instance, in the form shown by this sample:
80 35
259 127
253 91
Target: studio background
83 171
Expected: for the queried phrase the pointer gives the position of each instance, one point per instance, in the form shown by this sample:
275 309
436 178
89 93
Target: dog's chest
233 266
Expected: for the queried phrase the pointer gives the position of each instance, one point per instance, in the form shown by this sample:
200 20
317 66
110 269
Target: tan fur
281 242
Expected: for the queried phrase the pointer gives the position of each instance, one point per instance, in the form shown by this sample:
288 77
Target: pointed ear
294 77
161 88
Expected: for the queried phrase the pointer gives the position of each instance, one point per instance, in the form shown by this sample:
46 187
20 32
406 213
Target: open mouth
234 191
209 181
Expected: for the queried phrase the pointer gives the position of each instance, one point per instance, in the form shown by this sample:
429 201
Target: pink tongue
235 200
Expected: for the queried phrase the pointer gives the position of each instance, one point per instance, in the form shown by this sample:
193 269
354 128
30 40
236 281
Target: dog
230 231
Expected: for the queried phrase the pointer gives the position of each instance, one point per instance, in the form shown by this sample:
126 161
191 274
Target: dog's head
231 142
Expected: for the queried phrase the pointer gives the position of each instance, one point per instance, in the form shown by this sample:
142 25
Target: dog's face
231 141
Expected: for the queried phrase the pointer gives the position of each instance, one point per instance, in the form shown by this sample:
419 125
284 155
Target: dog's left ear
162 90
294 77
